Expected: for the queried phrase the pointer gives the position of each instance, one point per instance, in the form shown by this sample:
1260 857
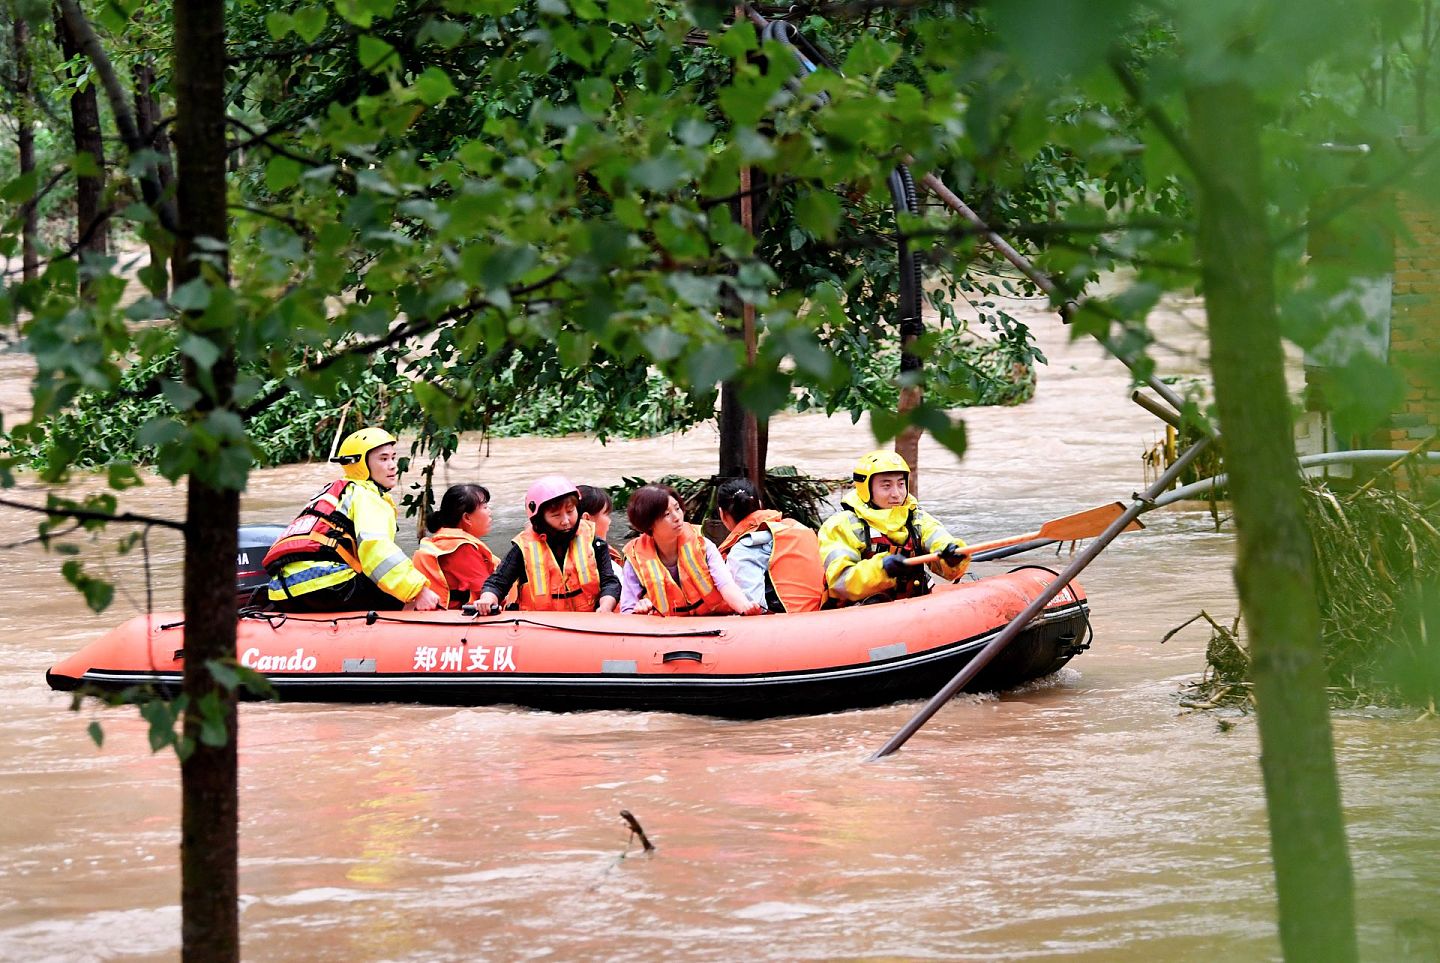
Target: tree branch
86 515
89 42
1161 122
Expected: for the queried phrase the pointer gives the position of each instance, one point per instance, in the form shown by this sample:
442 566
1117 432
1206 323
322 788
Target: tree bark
153 137
88 42
741 453
25 143
209 817
1275 558
910 324
90 233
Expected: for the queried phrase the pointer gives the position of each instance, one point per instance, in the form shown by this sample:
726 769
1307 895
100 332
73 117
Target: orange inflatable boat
768 665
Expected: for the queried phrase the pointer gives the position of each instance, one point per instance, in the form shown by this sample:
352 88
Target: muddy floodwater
1088 816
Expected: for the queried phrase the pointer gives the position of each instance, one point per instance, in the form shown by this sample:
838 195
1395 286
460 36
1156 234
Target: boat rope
277 619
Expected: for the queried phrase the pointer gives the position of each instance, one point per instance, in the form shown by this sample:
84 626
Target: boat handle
682 655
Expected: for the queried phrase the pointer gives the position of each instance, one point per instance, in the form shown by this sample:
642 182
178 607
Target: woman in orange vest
558 563
672 569
775 560
453 559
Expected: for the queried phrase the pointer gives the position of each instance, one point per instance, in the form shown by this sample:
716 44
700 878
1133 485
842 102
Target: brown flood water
1089 816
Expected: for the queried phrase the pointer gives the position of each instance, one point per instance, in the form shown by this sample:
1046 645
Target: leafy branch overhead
429 188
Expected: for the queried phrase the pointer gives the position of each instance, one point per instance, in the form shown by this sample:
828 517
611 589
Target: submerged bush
1377 568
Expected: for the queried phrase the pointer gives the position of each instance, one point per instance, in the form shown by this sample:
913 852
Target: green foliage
1377 555
522 394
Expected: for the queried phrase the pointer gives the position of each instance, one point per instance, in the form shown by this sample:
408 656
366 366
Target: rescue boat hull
757 667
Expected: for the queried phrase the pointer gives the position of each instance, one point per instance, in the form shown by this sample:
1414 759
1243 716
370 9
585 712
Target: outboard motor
255 541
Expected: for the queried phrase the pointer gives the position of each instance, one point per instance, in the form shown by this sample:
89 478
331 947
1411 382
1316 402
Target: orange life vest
696 593
321 532
548 587
795 577
437 546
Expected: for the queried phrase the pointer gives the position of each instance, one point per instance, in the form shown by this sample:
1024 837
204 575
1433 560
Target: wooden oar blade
1086 524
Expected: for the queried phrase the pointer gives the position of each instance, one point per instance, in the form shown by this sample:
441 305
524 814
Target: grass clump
1377 571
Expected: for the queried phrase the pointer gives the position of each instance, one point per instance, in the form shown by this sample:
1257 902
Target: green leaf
658 173
310 21
434 85
121 475
282 172
663 342
97 734
193 295
22 188
162 716
374 52
738 41
1057 37
629 11
446 34
279 24
202 350
869 56
214 731
84 164
98 594
819 213
224 674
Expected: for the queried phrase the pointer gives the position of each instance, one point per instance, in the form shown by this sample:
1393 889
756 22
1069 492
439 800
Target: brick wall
1415 325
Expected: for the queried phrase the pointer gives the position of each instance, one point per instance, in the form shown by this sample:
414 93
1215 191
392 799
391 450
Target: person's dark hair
648 504
594 501
738 497
458 500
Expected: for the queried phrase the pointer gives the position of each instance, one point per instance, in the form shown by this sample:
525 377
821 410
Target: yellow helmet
875 463
356 446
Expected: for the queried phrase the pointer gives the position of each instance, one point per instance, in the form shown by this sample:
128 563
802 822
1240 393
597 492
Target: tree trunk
209 816
741 452
1275 558
91 233
25 142
910 324
147 118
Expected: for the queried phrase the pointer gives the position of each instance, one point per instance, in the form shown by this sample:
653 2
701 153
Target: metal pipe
1155 408
1203 488
1141 503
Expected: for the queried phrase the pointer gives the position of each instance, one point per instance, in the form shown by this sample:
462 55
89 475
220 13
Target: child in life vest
452 558
557 562
596 506
671 568
775 560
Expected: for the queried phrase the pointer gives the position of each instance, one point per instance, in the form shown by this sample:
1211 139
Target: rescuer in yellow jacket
339 555
864 545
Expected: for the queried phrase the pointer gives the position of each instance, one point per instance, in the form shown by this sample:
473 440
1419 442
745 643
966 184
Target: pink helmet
545 489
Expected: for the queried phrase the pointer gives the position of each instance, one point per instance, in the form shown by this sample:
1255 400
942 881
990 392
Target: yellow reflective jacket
373 514
853 556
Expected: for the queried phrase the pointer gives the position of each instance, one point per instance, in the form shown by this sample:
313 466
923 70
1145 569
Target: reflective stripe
548 586
695 591
318 570
389 562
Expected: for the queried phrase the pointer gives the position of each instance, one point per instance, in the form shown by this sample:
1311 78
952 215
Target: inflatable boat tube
753 667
